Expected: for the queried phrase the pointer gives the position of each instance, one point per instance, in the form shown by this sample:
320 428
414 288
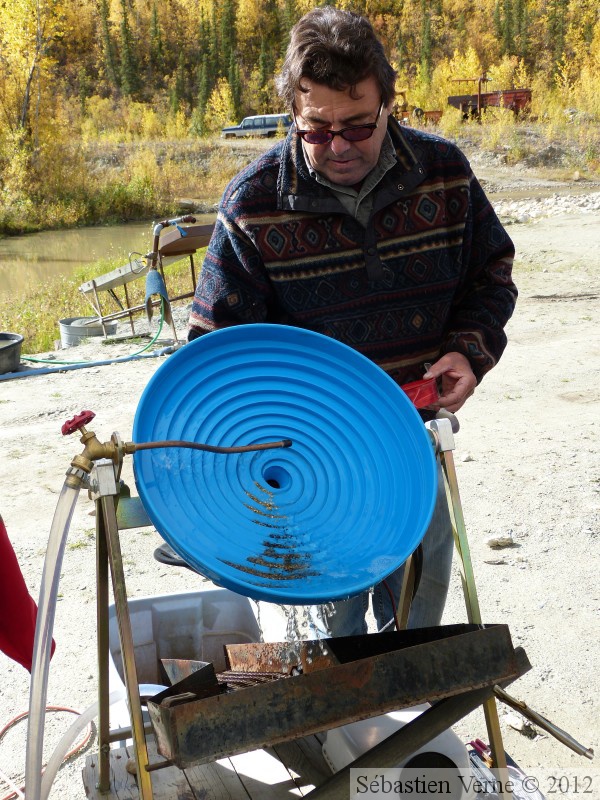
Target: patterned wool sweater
430 274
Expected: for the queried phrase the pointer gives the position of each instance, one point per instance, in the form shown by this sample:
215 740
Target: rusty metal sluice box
276 692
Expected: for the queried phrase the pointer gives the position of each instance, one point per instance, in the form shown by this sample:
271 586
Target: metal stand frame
105 493
441 429
108 553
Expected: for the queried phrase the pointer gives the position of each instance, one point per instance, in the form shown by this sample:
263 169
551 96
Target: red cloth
18 610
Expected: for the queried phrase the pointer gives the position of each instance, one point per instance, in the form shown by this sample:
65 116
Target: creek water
29 260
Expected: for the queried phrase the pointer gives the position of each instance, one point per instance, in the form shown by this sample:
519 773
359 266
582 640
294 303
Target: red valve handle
78 422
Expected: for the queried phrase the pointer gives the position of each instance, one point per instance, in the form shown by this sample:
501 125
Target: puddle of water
29 260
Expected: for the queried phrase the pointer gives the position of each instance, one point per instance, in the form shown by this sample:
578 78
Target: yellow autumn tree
219 110
447 79
587 96
503 74
27 99
27 32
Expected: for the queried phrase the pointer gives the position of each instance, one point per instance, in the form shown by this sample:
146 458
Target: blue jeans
348 616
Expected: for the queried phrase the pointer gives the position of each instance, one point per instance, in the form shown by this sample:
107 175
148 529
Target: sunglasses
354 133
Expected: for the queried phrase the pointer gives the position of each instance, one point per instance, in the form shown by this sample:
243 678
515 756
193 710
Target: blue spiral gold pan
322 520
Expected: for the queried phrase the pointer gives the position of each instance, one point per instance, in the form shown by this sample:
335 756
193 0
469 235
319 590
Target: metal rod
126 312
558 733
406 593
133 447
193 269
119 734
490 709
127 648
128 306
184 296
103 653
96 307
460 536
158 765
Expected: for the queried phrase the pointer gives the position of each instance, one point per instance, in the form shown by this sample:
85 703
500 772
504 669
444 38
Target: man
376 235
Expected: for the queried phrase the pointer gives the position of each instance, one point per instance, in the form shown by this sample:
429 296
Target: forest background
110 109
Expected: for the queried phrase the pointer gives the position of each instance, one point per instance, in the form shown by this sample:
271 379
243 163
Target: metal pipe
133 447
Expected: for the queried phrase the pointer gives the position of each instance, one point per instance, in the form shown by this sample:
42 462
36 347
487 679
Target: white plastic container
190 625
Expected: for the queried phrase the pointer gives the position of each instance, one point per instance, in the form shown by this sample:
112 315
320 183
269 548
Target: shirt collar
387 160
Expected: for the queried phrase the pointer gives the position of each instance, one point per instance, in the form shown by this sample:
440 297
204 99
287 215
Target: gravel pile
519 211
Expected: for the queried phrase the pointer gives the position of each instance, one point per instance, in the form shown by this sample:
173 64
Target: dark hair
335 48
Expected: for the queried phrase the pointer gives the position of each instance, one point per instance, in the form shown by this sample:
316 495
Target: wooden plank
122 783
173 243
257 775
264 776
304 758
220 782
217 781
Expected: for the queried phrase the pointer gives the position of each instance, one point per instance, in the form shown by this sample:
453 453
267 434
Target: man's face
340 161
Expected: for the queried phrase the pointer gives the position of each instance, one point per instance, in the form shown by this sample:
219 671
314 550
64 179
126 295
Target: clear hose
43 638
62 748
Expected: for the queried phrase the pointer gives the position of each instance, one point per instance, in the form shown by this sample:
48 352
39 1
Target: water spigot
93 449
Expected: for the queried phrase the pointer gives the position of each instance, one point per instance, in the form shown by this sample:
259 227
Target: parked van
259 125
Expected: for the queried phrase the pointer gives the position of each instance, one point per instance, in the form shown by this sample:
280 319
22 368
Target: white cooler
345 744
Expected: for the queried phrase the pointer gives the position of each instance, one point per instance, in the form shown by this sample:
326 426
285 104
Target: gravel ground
527 461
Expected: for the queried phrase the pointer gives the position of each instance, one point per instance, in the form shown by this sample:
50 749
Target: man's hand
457 378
